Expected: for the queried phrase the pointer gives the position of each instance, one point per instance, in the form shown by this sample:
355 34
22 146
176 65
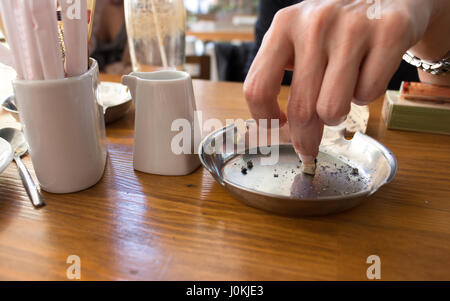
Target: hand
338 55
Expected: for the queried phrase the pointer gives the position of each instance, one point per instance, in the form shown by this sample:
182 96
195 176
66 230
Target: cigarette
309 168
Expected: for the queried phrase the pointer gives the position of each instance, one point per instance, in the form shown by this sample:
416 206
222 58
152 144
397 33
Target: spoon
20 147
10 104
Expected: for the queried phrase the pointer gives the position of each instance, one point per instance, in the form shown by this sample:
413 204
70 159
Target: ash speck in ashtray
250 164
244 170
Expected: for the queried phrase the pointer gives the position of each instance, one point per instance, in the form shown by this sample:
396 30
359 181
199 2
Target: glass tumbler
156 34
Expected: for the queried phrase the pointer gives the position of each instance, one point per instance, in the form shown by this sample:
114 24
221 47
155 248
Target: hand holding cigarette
339 53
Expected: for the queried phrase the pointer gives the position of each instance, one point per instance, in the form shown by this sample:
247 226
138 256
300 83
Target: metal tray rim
388 155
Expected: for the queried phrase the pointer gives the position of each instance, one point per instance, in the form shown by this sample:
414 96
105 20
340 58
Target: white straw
158 33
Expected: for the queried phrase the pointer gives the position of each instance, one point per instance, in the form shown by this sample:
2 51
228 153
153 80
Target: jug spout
131 82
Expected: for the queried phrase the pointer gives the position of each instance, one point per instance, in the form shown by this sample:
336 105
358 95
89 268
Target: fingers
262 85
377 69
306 128
376 72
306 138
338 86
345 54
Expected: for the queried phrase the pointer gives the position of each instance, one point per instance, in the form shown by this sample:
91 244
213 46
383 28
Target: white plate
113 94
6 154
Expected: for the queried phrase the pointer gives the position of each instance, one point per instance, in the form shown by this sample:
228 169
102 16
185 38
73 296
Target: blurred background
220 42
223 30
219 38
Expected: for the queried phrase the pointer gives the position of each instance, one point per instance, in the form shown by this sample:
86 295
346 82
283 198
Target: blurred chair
199 67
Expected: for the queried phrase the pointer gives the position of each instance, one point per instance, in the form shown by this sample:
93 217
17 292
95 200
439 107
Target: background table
221 31
223 35
139 226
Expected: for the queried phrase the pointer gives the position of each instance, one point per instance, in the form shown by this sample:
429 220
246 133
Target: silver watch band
435 68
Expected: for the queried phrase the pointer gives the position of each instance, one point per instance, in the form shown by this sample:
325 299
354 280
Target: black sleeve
266 11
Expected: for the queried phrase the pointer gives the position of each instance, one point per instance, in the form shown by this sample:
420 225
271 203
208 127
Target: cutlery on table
20 147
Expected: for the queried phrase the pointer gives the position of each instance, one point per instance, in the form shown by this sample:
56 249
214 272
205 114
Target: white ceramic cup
161 98
64 127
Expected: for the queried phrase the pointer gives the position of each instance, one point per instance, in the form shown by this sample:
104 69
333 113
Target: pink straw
75 36
45 31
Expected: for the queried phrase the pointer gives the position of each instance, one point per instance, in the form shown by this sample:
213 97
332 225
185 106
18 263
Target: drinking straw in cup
158 34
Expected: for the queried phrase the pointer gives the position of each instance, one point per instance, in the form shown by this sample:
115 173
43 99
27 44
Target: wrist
434 44
442 80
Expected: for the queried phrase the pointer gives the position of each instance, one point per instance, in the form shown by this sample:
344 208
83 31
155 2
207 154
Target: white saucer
6 154
115 99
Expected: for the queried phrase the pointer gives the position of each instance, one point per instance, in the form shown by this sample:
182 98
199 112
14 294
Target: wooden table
139 226
223 35
221 32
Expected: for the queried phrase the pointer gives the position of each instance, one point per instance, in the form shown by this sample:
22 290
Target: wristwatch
436 68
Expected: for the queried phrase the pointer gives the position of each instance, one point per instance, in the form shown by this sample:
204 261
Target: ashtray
348 171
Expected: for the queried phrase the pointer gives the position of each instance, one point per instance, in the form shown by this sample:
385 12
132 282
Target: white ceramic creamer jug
162 100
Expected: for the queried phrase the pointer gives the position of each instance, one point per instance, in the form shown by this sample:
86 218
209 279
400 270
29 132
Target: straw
158 33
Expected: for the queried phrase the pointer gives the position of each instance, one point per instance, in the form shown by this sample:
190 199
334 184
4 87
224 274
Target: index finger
263 82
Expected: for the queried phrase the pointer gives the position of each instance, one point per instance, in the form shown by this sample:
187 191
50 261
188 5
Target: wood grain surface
226 35
134 226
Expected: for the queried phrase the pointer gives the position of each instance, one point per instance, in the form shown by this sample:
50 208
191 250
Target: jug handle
131 82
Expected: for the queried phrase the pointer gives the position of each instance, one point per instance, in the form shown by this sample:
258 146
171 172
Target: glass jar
156 34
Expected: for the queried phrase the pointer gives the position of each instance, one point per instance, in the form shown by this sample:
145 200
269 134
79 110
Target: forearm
435 43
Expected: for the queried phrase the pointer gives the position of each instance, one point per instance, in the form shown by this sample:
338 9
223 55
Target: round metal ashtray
348 172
